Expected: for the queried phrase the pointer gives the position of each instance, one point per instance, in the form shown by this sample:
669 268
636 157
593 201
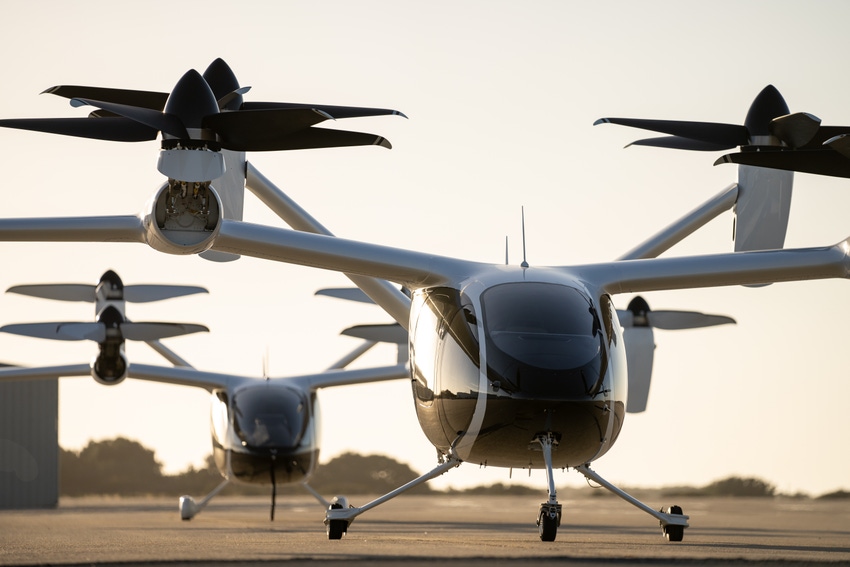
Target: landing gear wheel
547 526
674 533
337 528
188 509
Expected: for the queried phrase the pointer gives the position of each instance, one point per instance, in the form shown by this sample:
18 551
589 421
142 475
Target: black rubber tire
336 529
548 527
674 533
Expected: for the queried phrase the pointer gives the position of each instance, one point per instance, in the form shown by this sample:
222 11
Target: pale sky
501 98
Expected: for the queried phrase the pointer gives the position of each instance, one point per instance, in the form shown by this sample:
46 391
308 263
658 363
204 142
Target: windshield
269 416
543 339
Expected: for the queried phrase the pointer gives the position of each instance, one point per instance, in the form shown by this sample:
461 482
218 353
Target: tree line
125 467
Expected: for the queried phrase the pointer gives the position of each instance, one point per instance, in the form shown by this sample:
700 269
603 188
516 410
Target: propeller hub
191 100
769 104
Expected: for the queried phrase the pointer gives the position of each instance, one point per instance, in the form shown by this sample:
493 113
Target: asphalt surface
597 529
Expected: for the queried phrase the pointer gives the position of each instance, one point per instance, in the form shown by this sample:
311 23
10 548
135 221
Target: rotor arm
387 296
405 267
44 372
359 351
123 228
685 226
331 378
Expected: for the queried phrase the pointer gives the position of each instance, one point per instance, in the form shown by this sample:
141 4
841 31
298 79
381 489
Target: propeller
713 136
638 314
97 331
110 286
638 322
770 137
202 111
382 333
813 148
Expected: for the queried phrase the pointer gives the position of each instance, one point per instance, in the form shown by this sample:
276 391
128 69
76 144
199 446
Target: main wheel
336 529
674 533
188 509
547 526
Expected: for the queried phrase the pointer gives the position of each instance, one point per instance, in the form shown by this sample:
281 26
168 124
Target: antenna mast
524 262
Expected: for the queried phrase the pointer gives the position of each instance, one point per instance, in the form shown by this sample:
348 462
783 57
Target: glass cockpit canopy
544 340
274 416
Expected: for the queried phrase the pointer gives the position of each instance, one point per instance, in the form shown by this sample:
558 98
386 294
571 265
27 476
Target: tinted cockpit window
269 417
537 307
543 339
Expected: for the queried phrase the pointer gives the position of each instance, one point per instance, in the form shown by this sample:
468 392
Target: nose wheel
549 516
548 521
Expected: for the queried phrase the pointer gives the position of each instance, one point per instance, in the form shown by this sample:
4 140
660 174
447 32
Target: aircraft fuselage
265 433
512 355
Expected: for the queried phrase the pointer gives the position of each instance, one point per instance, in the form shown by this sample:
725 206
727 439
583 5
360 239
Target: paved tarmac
419 530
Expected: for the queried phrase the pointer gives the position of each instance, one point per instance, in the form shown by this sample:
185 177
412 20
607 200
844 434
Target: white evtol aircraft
264 430
512 365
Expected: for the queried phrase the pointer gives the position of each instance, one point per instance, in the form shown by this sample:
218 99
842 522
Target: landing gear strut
549 516
189 508
673 522
340 515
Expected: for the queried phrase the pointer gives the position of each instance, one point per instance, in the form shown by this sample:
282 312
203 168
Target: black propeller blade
703 136
332 110
113 129
821 162
153 119
678 143
724 135
143 99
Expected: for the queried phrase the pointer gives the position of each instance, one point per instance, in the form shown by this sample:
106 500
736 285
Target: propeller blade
162 121
143 99
335 111
840 144
309 138
825 134
232 97
145 293
729 135
347 293
155 331
384 333
84 292
677 320
59 331
116 129
796 130
679 143
60 292
626 317
244 128
820 162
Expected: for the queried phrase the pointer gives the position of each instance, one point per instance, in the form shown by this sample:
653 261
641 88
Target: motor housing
183 218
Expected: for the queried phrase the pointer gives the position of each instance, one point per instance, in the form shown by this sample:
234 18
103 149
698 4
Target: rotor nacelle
184 217
109 369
